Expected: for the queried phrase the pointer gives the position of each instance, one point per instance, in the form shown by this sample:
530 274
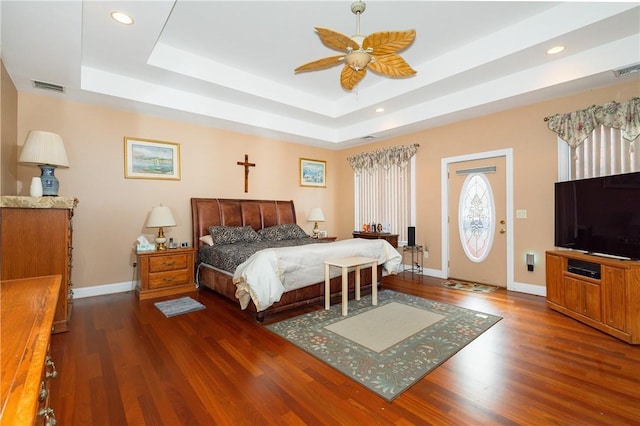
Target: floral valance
576 126
385 157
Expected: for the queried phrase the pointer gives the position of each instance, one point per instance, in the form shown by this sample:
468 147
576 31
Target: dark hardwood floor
124 363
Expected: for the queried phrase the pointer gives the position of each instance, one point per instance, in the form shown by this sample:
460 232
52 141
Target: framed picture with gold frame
151 159
313 173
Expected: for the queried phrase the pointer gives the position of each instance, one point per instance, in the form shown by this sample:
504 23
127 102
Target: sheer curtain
384 184
605 152
600 140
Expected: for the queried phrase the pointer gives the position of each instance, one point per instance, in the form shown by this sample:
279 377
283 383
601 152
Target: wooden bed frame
258 214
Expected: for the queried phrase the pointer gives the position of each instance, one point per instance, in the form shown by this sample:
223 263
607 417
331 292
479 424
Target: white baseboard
101 290
434 273
536 290
425 271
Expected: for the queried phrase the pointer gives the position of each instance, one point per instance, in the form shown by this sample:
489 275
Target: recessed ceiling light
555 50
379 109
122 17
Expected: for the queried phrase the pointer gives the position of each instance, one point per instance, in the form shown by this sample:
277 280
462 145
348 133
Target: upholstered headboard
258 214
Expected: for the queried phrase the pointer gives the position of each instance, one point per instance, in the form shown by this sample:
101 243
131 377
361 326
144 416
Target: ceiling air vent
626 71
48 86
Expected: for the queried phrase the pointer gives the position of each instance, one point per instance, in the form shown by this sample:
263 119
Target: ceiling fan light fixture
357 59
377 51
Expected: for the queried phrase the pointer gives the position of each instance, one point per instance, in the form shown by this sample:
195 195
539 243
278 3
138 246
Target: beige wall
112 210
535 171
8 130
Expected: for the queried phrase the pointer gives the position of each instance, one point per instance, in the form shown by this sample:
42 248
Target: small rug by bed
388 347
183 305
469 286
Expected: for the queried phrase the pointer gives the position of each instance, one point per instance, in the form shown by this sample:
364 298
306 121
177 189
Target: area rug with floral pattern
387 347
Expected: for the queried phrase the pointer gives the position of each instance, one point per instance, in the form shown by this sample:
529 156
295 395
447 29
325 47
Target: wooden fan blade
320 64
336 40
350 77
391 65
388 41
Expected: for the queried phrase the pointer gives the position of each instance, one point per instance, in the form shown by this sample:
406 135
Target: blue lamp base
50 183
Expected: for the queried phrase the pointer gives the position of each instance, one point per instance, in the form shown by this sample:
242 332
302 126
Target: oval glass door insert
476 217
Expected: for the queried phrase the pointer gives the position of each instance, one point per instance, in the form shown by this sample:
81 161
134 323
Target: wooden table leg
357 282
374 283
345 290
327 287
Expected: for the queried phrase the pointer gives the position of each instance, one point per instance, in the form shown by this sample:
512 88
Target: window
476 220
605 152
386 196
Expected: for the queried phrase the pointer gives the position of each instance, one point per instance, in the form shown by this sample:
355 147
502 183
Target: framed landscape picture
150 159
313 173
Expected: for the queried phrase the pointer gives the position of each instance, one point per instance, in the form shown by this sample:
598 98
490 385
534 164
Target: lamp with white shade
159 217
315 215
46 150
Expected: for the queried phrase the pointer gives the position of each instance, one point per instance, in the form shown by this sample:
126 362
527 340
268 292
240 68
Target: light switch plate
521 214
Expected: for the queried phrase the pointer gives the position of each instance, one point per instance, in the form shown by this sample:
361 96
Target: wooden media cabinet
599 291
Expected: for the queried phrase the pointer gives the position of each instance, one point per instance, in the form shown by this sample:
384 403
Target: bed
233 223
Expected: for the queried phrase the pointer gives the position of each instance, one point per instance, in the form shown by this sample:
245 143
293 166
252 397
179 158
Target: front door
477 221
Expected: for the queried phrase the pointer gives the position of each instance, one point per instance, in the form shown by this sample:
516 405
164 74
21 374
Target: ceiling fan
377 51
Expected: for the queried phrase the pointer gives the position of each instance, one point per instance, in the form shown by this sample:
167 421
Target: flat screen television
599 215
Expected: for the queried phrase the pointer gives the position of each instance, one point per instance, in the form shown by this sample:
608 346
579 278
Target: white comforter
267 274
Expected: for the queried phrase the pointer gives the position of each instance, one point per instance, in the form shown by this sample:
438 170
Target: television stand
602 292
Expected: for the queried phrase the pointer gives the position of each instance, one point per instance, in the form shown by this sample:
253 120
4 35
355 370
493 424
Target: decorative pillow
233 234
207 239
287 231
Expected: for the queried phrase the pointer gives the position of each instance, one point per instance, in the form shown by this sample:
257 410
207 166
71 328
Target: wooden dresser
36 238
27 308
390 238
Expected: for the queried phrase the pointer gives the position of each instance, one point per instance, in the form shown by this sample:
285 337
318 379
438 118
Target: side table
165 272
345 263
417 255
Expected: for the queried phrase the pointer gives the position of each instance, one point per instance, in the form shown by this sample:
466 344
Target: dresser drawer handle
169 279
171 263
50 364
49 416
42 395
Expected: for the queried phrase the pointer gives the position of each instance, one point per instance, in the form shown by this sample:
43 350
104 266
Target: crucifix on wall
246 165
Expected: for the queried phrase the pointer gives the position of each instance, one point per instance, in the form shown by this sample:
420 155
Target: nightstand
327 238
390 238
165 272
